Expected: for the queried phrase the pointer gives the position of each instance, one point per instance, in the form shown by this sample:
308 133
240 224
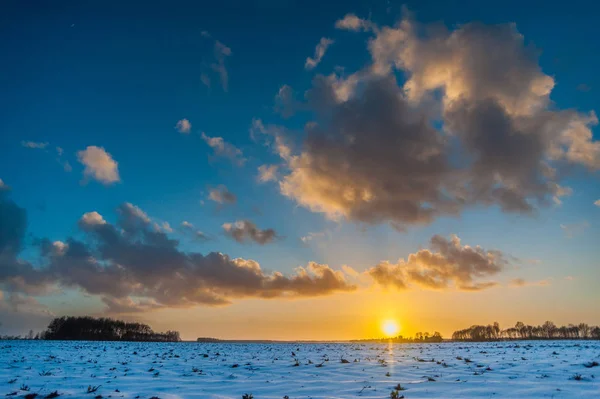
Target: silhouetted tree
548 330
103 329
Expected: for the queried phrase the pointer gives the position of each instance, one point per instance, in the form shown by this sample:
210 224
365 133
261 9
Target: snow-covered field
194 370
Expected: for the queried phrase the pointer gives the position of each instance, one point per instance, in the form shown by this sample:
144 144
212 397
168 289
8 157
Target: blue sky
120 77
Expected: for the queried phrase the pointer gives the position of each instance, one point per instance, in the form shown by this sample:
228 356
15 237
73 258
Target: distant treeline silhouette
548 330
419 338
103 329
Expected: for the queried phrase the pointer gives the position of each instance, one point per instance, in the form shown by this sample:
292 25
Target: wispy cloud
519 282
188 227
217 63
267 173
224 149
221 195
33 144
320 50
574 229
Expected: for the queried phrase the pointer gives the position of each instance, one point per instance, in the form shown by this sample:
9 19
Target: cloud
286 103
205 79
183 126
597 202
320 50
353 23
221 51
24 313
375 161
574 229
267 173
273 136
221 195
166 227
466 128
197 234
224 149
311 236
133 267
519 282
447 262
13 223
583 87
244 230
216 64
99 165
33 144
90 219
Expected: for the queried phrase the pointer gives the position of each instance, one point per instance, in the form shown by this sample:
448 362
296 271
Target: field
518 369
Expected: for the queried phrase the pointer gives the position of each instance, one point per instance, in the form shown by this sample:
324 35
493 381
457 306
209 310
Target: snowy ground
192 370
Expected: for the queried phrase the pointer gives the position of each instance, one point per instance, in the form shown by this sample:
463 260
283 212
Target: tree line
103 329
548 330
420 337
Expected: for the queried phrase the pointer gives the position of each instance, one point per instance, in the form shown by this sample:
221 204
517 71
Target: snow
517 369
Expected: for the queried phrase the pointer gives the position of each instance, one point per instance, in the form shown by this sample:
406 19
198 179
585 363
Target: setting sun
390 328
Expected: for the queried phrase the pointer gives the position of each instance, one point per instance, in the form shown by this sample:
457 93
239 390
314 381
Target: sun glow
390 328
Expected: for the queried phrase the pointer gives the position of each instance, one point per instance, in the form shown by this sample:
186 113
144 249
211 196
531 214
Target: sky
297 169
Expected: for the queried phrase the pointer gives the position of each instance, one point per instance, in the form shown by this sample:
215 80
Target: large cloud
134 266
448 261
467 126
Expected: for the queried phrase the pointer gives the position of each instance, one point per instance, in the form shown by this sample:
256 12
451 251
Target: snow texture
518 369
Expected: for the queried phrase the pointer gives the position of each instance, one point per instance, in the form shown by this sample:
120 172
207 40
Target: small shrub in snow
396 395
577 377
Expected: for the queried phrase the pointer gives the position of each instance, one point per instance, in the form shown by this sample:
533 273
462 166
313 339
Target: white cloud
320 50
99 165
597 202
183 126
92 219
